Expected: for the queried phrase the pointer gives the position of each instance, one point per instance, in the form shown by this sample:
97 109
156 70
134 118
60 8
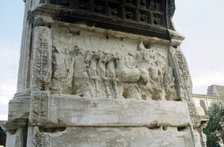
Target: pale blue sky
11 15
201 21
12 18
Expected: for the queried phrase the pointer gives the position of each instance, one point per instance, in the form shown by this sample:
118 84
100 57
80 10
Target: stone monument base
118 137
102 73
100 122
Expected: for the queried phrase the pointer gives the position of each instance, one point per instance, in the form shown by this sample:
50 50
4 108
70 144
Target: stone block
118 137
19 108
73 111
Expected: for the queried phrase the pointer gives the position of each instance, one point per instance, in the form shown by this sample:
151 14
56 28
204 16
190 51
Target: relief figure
81 83
126 73
101 73
91 60
63 61
129 75
110 59
97 74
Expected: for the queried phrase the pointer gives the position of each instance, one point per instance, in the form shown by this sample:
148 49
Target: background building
215 93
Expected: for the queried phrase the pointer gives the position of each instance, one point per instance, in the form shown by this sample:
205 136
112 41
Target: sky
200 21
11 15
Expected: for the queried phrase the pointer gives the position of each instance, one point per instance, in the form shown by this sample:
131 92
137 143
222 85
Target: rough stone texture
80 85
103 112
120 137
19 108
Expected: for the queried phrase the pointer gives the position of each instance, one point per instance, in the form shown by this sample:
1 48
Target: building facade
215 93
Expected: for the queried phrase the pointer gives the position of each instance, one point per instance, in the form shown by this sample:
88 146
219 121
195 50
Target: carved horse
127 73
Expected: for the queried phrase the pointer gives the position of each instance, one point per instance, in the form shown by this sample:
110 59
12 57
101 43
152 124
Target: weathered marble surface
118 137
74 111
15 139
85 86
19 106
115 68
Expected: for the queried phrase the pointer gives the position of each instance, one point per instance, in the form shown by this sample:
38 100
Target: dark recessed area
144 17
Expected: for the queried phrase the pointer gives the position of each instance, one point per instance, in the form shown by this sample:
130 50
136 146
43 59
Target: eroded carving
169 85
42 58
39 139
39 108
185 82
63 62
143 73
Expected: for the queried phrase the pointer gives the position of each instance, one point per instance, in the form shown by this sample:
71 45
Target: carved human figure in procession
101 65
110 59
80 65
63 61
112 84
81 79
91 60
142 62
58 72
102 81
69 67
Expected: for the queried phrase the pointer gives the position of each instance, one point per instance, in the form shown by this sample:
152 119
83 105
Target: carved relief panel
89 64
